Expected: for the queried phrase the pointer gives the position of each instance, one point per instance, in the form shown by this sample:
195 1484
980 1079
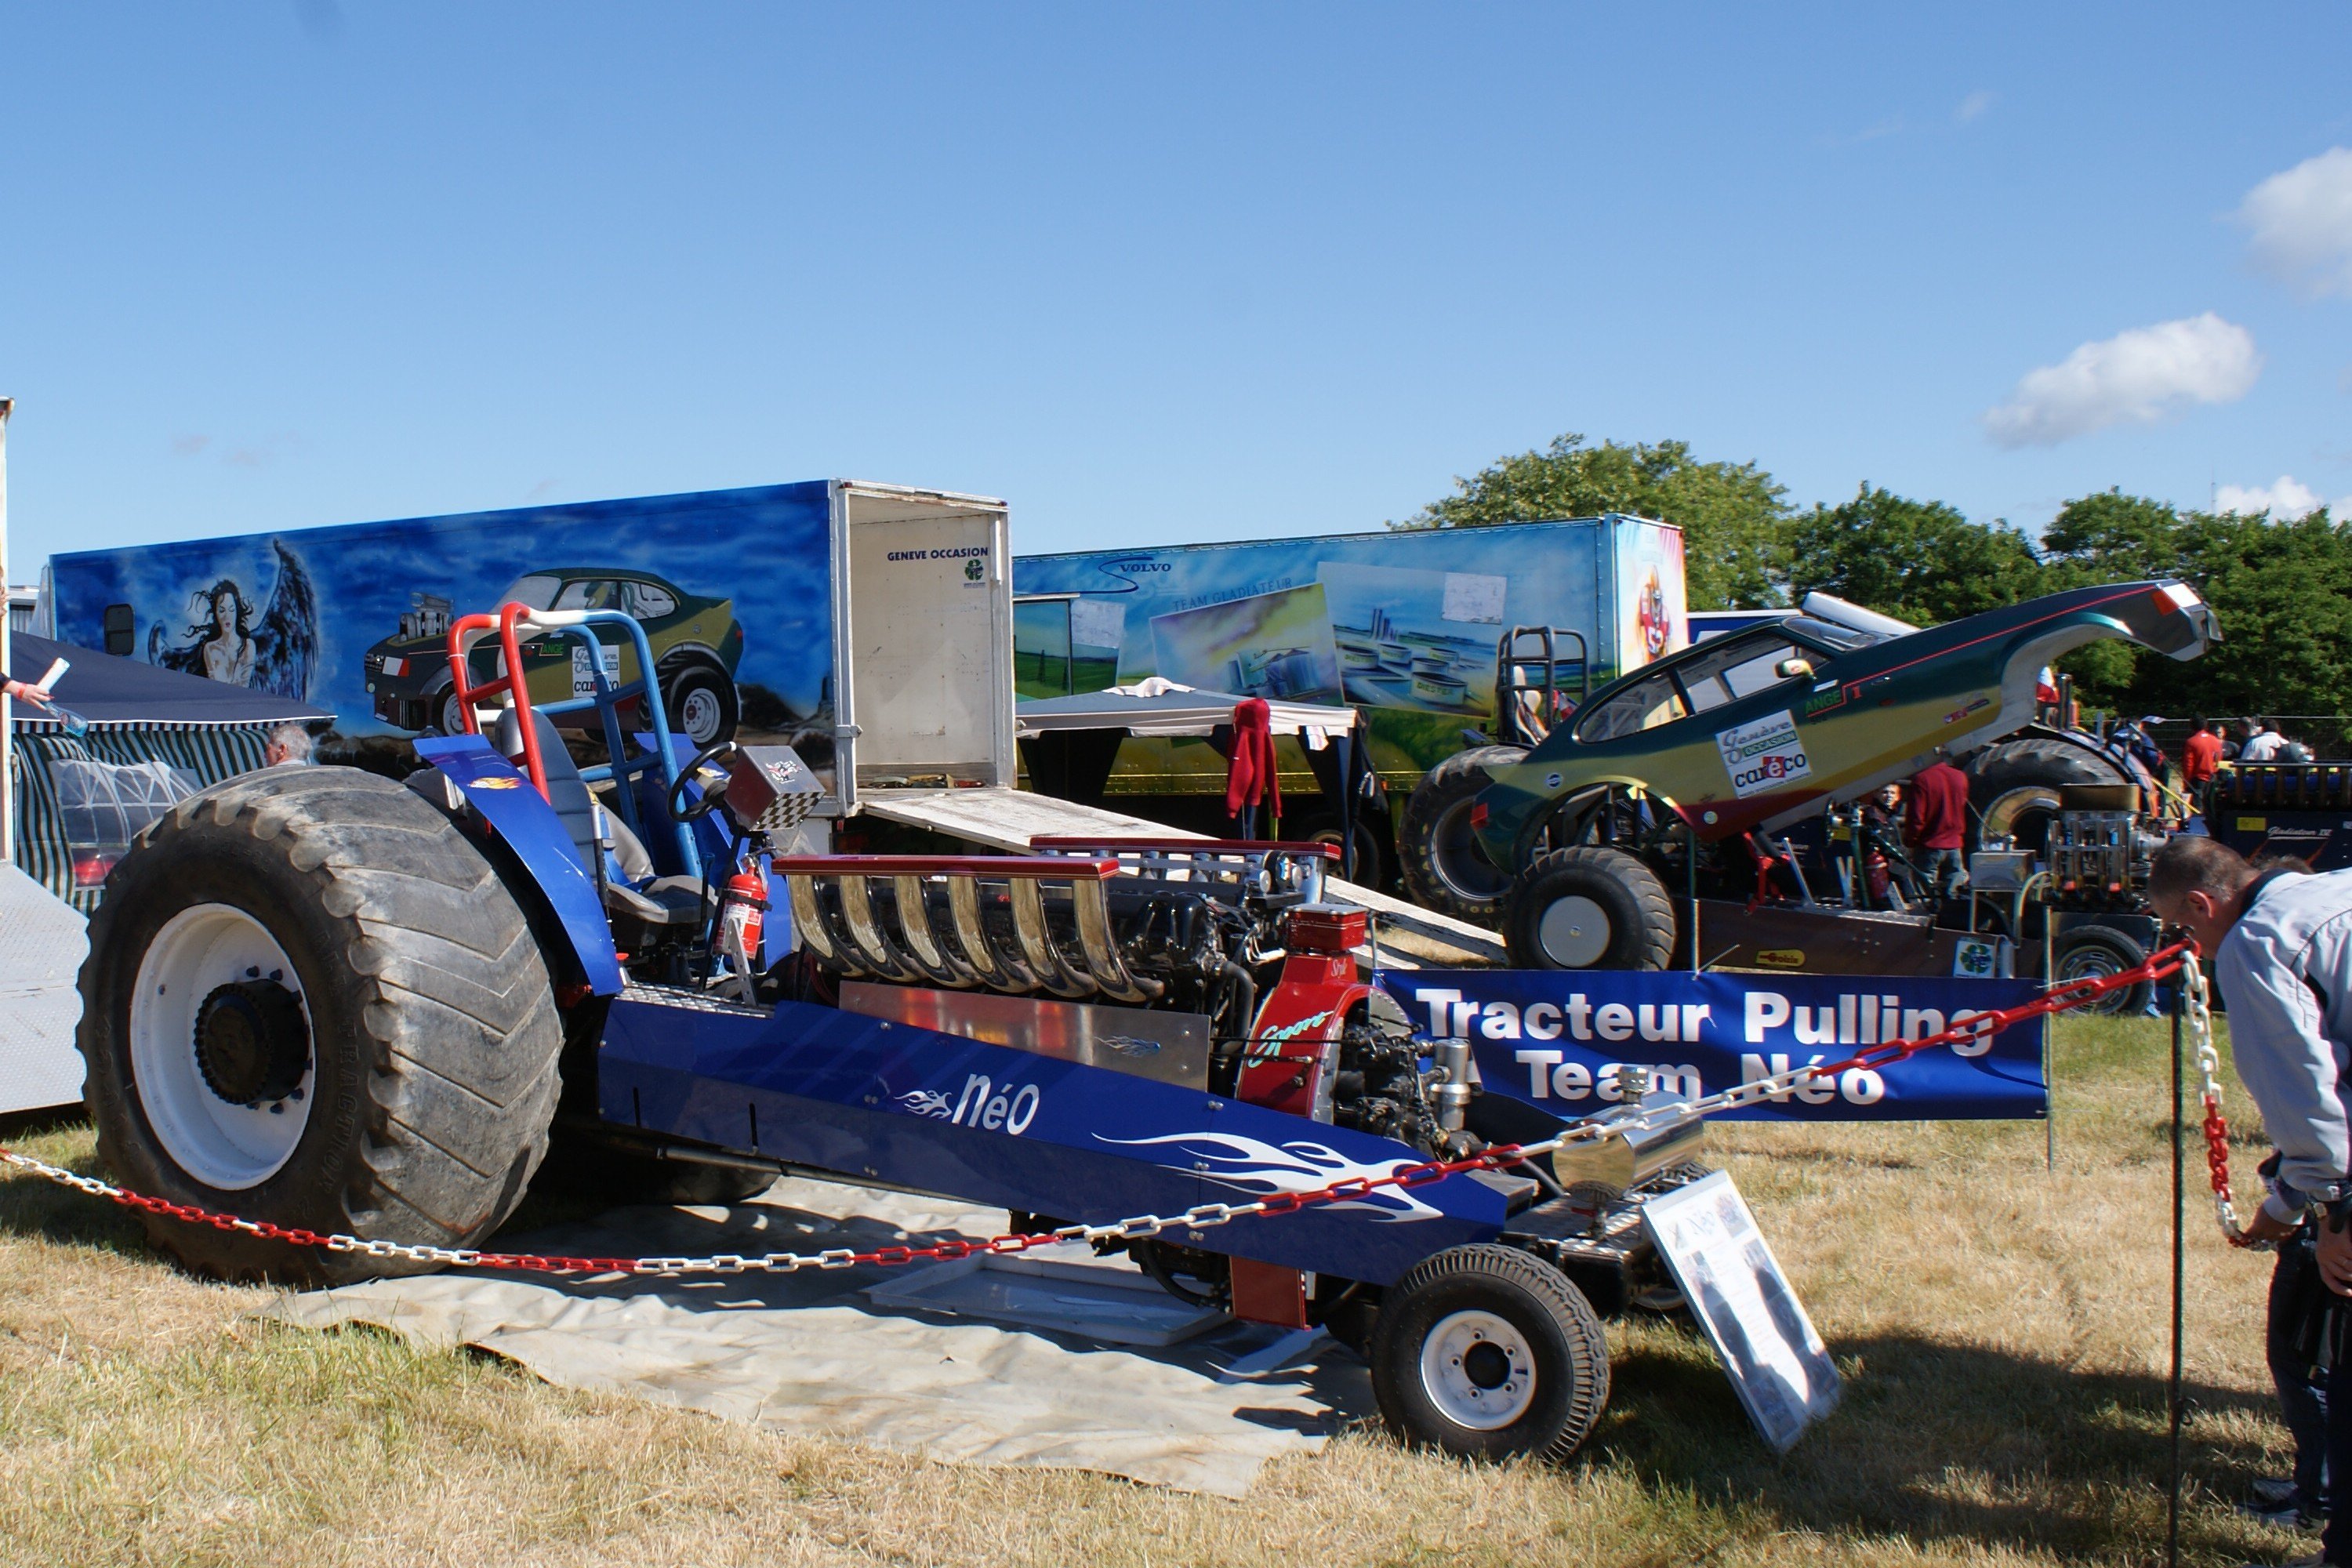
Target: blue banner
1557 1038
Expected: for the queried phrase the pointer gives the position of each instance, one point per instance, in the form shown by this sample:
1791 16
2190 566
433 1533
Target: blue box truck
1402 626
867 625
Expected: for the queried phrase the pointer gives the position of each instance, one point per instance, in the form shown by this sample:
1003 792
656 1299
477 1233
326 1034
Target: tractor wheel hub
252 1043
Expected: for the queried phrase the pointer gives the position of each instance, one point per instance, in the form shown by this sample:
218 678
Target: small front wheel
2095 952
1487 1352
1589 908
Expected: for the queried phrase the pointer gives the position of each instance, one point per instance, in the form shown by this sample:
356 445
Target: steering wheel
707 760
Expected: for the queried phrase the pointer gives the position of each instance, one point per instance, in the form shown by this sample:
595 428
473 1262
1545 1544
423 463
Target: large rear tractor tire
309 1000
2013 786
1488 1354
1437 854
1590 907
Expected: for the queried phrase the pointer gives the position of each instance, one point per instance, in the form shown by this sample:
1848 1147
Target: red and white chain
1201 1216
2197 1018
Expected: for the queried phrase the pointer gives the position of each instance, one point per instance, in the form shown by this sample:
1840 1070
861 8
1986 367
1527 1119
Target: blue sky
1157 274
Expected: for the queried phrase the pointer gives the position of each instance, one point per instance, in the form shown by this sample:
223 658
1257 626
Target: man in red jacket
2201 759
1936 825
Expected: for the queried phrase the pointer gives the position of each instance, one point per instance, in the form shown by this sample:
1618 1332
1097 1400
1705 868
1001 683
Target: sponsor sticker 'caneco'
1763 756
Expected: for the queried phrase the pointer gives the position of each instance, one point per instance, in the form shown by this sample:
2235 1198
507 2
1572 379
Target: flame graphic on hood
1258 1168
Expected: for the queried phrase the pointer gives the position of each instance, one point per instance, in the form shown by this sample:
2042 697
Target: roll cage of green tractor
1673 780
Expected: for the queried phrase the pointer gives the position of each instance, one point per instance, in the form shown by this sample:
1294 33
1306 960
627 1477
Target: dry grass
2003 1330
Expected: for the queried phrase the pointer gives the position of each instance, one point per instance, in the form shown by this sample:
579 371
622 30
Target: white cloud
2136 377
1975 104
2301 223
2285 500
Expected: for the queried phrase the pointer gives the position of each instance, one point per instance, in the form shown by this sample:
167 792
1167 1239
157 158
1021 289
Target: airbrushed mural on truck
355 618
1402 626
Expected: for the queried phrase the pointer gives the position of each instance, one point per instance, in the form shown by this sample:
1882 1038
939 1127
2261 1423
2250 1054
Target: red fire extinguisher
742 906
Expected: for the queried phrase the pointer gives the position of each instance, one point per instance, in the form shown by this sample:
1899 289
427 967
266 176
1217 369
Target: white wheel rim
2097 963
453 714
1574 931
226 1146
697 713
1478 1370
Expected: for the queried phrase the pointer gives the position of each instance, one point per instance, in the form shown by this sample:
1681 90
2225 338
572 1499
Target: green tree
2282 593
2111 537
1731 514
1919 561
2282 590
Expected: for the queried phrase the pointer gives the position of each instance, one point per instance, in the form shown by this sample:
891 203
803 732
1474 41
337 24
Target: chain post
2180 1265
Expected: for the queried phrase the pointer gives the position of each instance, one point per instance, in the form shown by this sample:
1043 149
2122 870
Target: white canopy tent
1155 706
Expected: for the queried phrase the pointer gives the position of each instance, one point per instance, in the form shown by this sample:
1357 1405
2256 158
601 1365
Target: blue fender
516 813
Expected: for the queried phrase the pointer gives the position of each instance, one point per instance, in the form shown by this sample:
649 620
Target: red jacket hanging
1250 776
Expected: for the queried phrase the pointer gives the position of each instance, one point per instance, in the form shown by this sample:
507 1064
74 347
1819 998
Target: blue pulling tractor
325 999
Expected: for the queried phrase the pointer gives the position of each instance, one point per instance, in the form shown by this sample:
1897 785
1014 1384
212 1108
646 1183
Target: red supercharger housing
1325 927
1292 1055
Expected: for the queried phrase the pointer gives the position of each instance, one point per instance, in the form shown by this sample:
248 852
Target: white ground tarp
42 945
809 1354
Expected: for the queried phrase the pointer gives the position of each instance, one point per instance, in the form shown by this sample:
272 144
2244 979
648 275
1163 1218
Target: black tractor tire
698 700
1372 865
1550 922
2082 953
2032 762
1486 1352
424 1024
1439 857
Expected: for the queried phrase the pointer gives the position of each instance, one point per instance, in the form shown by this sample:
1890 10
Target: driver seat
635 895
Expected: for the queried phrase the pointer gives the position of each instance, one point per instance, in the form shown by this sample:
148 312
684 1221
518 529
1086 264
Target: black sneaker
2292 1511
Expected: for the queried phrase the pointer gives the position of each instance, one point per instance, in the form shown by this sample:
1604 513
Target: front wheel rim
226 1146
2097 963
1574 931
697 714
1478 1370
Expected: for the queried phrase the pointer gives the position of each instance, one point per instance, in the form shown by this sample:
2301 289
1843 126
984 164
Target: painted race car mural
352 617
697 644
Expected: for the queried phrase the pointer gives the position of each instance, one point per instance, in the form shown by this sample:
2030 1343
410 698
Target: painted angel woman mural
224 634
270 647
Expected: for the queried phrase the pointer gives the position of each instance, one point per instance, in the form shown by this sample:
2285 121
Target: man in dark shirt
1936 825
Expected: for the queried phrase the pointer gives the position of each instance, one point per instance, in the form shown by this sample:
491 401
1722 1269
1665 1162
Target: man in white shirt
2280 945
288 746
2262 741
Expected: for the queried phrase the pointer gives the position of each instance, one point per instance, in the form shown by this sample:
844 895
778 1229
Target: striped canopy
58 830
